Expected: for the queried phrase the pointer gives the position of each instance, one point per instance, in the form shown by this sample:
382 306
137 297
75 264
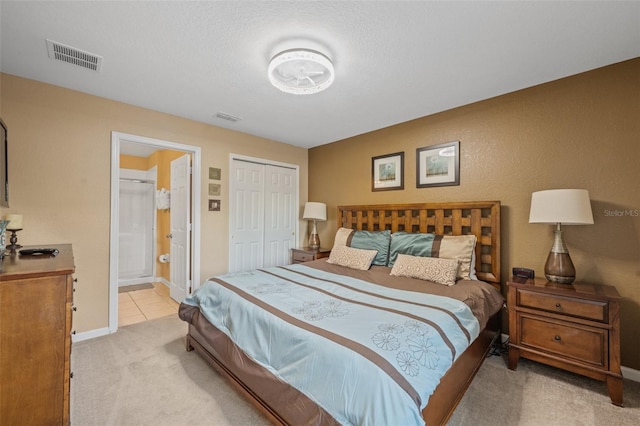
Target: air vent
61 52
228 117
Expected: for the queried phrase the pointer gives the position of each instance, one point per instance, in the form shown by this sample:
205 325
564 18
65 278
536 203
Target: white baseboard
133 281
91 334
631 374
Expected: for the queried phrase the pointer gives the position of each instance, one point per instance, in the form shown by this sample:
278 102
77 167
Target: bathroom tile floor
141 305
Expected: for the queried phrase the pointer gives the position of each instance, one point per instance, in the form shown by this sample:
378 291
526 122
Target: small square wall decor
214 205
215 173
214 189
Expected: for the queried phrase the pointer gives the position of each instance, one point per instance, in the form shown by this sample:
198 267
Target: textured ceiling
394 61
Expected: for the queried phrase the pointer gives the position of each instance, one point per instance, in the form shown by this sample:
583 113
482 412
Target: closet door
279 211
246 216
262 215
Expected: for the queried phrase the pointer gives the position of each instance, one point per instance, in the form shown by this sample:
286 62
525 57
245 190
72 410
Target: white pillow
352 257
438 270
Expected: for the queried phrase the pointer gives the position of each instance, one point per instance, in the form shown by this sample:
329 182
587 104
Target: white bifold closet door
137 210
263 215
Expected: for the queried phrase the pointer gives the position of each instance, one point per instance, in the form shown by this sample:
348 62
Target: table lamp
560 207
314 211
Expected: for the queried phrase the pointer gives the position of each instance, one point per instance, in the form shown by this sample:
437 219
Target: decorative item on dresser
315 212
307 254
36 295
573 327
560 207
14 225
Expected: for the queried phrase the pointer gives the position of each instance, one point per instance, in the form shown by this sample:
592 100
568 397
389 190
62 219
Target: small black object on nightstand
523 273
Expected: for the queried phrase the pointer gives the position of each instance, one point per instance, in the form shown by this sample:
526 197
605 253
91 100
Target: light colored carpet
142 375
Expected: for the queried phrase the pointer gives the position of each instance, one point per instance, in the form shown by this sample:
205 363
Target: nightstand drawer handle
557 338
558 305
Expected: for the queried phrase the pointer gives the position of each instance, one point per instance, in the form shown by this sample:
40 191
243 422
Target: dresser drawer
299 257
580 343
587 309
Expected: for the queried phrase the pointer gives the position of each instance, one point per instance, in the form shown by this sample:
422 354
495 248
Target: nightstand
575 327
305 254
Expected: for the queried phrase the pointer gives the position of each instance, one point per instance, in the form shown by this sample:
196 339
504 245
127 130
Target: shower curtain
137 212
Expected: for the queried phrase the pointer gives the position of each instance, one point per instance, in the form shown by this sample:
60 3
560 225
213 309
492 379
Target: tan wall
578 132
59 172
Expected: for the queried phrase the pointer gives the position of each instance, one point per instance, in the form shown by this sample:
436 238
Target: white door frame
116 139
233 157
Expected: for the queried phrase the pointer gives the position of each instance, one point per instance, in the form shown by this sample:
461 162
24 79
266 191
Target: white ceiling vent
228 117
61 52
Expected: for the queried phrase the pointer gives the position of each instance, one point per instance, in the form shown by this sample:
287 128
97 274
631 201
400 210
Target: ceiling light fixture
301 71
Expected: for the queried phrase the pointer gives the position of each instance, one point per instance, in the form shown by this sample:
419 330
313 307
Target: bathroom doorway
129 271
137 236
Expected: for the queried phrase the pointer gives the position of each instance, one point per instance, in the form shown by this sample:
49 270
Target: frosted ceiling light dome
301 71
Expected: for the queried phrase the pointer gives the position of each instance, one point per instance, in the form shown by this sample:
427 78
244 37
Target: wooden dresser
574 327
36 301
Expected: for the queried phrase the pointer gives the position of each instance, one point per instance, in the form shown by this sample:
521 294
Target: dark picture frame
4 166
387 172
438 165
214 205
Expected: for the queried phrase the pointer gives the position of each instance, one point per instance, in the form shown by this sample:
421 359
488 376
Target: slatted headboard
481 218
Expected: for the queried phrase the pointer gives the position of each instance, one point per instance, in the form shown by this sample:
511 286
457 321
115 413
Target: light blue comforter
367 354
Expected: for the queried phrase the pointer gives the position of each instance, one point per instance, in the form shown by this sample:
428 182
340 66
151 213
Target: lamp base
314 242
559 268
314 238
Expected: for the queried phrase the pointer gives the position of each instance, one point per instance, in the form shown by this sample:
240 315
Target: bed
338 355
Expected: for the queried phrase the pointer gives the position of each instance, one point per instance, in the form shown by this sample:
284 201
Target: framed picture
214 205
438 165
387 172
215 173
214 189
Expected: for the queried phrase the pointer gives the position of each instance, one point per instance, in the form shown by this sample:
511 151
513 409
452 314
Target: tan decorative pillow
460 247
342 237
352 257
438 270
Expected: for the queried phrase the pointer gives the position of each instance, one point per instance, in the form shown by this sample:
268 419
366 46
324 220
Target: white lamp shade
315 211
565 206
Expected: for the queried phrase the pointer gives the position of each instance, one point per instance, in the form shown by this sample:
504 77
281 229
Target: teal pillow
411 244
373 240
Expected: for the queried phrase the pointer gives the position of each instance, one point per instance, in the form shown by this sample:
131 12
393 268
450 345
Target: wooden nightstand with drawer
575 327
305 254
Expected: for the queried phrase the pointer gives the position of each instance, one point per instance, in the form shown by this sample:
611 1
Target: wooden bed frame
480 218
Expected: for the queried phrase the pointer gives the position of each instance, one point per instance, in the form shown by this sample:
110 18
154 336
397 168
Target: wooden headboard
480 218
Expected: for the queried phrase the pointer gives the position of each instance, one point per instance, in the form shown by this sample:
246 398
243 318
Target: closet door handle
169 236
